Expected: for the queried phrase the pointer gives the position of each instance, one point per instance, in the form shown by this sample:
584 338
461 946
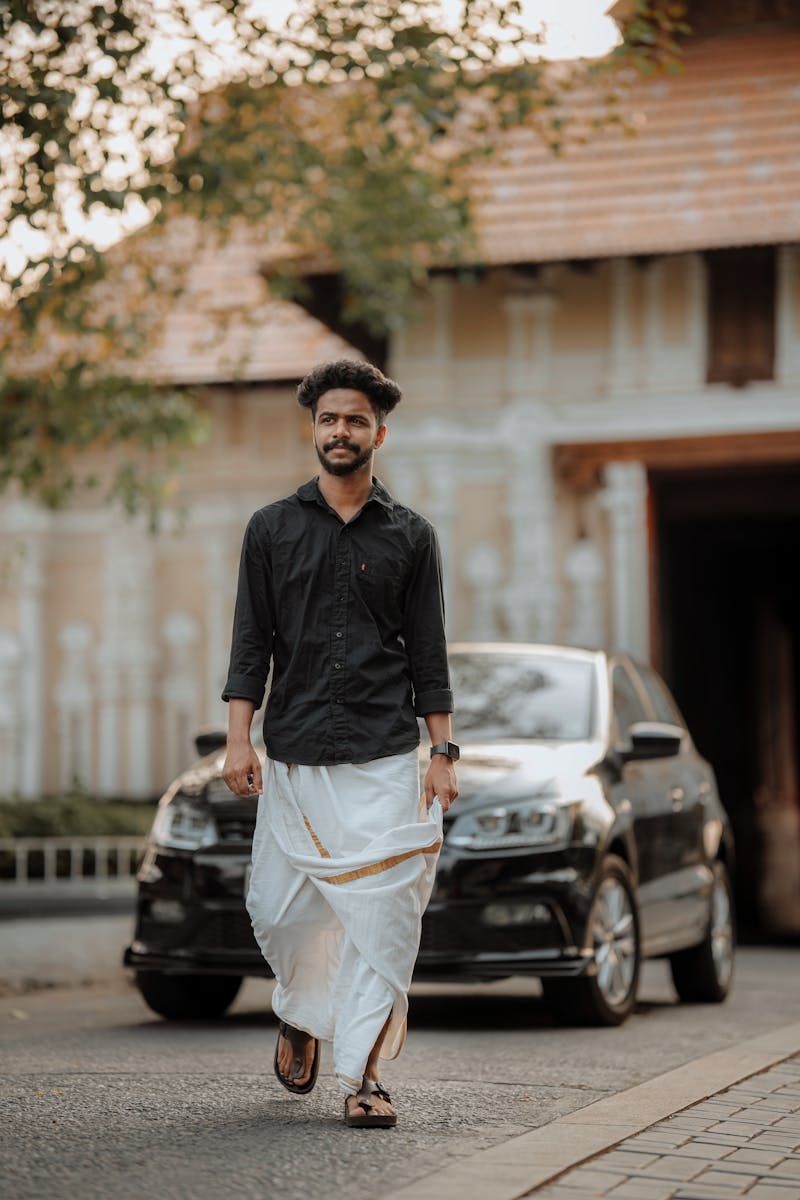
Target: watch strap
450 749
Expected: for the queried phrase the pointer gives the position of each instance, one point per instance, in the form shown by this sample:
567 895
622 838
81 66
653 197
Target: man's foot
296 1059
370 1108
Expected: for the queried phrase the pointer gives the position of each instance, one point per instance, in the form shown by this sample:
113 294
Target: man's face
346 431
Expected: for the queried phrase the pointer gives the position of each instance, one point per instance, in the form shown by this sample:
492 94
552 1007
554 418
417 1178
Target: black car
588 835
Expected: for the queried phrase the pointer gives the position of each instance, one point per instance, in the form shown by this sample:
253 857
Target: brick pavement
744 1141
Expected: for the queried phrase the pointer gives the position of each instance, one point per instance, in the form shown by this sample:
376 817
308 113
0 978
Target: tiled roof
223 326
715 162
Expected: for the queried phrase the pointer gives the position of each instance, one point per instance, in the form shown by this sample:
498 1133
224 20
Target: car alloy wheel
607 996
613 935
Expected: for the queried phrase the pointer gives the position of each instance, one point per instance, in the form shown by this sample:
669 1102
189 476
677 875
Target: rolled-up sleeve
423 629
253 620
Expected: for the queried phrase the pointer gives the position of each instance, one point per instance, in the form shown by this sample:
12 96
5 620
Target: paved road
103 1100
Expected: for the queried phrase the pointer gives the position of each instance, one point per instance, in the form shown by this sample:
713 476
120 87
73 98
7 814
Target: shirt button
338 666
340 701
338 634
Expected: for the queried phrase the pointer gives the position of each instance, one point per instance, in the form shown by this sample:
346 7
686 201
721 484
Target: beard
360 458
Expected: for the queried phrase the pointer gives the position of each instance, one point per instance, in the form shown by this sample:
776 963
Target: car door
641 788
688 792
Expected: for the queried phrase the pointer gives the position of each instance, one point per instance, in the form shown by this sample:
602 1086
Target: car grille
235 818
461 930
226 931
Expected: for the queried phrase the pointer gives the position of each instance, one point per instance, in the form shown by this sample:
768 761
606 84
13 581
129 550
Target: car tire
187 997
703 974
608 996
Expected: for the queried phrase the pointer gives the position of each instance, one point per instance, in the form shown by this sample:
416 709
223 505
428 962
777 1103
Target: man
341 588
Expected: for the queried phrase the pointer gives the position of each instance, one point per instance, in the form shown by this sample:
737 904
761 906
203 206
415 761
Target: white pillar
482 570
220 581
127 658
140 731
532 597
657 362
543 306
31 627
529 324
623 358
10 663
109 782
697 319
403 474
141 659
74 699
519 311
441 510
625 500
584 570
787 349
179 689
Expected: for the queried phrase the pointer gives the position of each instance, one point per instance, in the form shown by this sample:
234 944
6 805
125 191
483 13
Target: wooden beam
580 464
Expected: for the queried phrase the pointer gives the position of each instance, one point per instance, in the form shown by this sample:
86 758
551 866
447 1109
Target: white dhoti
344 859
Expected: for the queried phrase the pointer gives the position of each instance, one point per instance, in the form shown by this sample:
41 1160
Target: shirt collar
310 492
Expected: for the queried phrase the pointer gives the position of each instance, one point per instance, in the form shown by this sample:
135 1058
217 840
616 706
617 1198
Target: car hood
193 781
513 770
486 772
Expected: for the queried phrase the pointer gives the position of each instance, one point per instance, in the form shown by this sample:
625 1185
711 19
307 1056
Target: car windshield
504 697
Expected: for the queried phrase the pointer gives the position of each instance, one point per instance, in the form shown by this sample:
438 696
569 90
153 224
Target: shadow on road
444 1011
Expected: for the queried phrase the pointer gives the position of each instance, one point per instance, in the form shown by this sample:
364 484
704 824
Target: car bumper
191 917
488 918
142 957
494 917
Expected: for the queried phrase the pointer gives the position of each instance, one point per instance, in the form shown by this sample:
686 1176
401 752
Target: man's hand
440 780
242 769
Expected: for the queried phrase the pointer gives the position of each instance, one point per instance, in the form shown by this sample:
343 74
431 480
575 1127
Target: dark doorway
727 637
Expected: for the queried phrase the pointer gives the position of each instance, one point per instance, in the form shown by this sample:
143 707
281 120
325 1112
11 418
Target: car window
504 697
628 706
665 707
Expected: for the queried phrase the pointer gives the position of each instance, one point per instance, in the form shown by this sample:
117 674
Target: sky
575 28
572 28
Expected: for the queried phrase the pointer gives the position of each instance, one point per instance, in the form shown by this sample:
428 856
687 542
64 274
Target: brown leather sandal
298 1040
370 1119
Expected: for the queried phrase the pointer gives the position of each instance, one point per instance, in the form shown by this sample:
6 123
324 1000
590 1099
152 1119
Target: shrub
73 815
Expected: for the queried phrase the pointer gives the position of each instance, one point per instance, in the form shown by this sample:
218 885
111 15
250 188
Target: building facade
603 424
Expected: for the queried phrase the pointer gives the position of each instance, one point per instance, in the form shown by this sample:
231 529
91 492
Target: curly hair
382 393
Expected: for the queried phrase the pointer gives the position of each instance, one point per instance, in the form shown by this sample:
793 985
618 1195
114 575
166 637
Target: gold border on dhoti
372 868
378 867
321 851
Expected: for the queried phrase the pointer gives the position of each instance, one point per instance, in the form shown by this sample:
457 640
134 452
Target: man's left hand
440 780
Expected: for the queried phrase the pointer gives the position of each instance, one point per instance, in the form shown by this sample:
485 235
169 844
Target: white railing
65 860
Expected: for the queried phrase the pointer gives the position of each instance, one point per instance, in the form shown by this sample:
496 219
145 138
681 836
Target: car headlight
183 823
520 823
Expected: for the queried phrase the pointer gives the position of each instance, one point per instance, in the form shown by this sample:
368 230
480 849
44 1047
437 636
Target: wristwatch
449 748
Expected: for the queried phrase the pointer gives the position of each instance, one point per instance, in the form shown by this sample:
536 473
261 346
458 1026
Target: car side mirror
652 739
209 740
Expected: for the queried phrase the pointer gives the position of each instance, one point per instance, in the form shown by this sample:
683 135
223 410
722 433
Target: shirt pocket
380 588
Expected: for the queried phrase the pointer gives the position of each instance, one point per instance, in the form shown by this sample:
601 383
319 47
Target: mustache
343 445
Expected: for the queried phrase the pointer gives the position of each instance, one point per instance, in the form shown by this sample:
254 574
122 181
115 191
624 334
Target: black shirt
352 616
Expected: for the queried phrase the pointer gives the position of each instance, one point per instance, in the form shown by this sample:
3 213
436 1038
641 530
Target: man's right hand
242 769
